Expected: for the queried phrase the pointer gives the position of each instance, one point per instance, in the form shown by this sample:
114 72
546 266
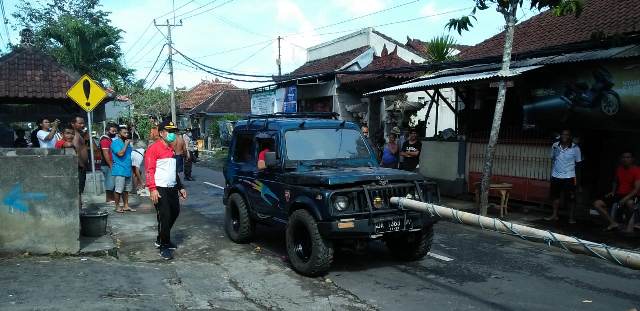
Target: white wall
446 117
364 37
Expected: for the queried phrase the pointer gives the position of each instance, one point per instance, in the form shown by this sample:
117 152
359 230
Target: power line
154 63
198 8
385 24
159 72
215 74
134 57
366 15
235 49
138 39
251 56
174 10
221 71
240 27
208 10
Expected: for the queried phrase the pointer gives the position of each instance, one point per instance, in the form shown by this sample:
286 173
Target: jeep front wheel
237 222
309 252
412 245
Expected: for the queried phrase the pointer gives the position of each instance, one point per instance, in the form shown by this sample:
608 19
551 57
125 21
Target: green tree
78 35
441 48
508 9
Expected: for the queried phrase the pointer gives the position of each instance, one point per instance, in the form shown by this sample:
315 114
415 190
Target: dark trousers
188 165
167 209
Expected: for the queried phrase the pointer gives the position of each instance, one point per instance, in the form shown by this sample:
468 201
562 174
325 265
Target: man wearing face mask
188 164
164 185
122 172
107 161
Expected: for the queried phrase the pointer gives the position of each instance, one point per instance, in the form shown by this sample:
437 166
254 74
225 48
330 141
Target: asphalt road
468 269
472 269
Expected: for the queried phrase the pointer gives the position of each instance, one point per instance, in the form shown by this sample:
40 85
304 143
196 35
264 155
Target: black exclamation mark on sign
86 86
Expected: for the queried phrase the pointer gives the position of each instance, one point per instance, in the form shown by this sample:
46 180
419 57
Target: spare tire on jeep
237 221
410 246
310 254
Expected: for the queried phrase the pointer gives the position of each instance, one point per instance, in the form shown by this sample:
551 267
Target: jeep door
270 198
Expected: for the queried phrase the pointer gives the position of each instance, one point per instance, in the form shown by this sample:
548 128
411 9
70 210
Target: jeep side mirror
270 159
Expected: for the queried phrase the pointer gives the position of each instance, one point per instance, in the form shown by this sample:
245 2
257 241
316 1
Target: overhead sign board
87 93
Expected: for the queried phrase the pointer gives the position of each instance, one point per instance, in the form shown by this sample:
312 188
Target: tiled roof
600 17
330 63
202 91
29 73
385 61
234 100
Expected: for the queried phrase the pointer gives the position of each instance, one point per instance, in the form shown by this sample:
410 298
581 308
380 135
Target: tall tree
79 35
508 9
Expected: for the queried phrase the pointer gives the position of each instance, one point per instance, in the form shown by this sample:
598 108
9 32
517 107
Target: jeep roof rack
295 115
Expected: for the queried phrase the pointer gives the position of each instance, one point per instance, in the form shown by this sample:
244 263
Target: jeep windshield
326 147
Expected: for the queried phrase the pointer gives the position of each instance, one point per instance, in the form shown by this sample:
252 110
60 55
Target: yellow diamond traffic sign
87 93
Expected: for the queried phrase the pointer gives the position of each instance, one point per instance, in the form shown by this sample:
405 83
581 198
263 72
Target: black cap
167 126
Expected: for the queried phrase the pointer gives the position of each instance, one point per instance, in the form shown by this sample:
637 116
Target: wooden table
504 190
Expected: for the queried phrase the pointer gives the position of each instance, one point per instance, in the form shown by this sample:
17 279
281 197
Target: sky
241 35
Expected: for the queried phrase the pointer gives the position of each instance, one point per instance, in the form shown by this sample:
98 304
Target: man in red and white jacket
165 186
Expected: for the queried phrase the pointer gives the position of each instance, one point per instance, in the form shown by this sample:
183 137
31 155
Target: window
325 144
244 148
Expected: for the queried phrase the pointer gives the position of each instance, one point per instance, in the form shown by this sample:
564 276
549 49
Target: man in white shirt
564 176
47 133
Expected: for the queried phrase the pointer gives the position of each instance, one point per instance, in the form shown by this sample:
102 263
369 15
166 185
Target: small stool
504 189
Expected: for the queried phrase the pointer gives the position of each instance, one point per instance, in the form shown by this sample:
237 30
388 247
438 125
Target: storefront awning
451 80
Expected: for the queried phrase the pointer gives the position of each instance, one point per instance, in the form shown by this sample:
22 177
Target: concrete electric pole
279 61
170 49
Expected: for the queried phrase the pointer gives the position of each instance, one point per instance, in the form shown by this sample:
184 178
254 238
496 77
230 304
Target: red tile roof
600 17
29 73
234 100
202 91
385 61
330 63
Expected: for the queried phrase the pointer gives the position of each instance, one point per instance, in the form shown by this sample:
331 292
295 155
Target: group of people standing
404 155
618 205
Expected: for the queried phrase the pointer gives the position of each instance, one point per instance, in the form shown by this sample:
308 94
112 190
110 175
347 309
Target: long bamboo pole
620 256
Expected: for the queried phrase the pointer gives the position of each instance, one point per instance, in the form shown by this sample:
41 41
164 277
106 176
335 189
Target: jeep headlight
341 203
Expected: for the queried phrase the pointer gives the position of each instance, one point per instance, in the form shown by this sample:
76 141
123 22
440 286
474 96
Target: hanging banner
290 100
263 103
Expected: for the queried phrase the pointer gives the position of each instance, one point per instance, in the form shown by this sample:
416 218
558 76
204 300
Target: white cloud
360 7
304 36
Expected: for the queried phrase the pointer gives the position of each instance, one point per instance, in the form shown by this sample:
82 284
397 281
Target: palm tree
441 48
87 48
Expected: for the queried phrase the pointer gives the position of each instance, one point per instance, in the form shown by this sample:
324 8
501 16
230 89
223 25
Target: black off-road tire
411 246
310 254
238 224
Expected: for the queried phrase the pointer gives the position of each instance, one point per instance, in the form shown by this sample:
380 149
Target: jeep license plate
391 224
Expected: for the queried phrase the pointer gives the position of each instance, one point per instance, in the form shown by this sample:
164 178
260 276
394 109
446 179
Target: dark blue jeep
319 178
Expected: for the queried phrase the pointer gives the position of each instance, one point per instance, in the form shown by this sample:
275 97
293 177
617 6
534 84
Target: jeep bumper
374 227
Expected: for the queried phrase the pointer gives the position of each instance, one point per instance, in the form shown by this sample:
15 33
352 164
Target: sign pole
93 159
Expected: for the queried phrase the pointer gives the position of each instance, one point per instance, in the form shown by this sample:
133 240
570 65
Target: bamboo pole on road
619 256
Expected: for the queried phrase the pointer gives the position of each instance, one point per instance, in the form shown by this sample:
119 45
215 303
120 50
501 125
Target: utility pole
279 61
170 49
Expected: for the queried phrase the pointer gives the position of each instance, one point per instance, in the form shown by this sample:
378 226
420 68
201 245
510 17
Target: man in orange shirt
626 187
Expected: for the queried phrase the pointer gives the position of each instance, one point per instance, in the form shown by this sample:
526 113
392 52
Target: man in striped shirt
164 185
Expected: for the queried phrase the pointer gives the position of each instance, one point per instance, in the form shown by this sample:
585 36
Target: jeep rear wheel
310 254
237 222
412 245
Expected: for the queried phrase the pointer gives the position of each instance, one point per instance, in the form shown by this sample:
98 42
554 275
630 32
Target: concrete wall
39 210
444 162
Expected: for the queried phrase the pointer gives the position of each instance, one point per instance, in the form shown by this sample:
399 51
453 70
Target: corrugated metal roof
486 71
450 80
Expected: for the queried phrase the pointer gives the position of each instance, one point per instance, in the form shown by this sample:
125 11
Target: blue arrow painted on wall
16 199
